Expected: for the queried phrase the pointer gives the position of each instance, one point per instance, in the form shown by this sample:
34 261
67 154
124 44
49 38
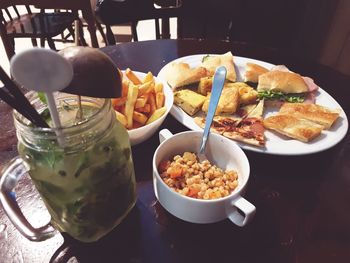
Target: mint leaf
42 97
82 164
205 58
46 114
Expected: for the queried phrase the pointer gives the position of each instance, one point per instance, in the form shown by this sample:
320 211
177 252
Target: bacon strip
310 84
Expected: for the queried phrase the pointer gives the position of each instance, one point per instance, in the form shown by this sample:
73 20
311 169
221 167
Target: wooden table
303 202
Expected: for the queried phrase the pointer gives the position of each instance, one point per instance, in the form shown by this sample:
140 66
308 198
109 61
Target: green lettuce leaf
278 95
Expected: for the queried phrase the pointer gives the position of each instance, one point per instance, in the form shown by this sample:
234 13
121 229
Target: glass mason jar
83 171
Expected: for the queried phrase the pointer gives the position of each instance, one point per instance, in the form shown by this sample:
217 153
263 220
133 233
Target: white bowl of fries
144 104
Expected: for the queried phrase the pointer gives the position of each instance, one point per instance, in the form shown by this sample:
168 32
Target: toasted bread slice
247 94
188 100
180 74
258 111
228 102
313 112
293 127
220 123
245 136
212 62
249 129
253 71
205 85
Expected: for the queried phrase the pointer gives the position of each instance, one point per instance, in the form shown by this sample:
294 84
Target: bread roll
253 71
286 82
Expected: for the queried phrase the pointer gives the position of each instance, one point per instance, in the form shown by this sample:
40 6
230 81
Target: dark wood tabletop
302 202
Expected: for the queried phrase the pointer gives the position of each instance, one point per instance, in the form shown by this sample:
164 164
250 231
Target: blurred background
317 29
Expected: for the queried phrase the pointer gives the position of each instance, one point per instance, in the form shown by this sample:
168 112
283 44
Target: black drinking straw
11 94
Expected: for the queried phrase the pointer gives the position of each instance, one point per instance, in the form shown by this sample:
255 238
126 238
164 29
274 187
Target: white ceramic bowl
220 151
141 134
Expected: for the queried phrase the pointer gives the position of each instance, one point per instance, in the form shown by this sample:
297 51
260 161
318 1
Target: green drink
87 179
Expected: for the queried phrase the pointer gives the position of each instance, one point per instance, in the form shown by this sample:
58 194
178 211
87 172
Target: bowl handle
246 213
164 134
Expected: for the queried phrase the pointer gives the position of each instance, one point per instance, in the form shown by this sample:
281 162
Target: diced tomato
193 192
174 172
163 166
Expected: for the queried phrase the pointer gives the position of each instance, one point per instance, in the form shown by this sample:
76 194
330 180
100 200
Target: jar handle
11 174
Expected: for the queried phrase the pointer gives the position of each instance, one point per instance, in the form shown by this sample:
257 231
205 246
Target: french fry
116 102
160 98
158 87
121 109
139 117
148 77
121 118
152 102
130 104
125 87
141 101
132 77
146 88
156 115
145 109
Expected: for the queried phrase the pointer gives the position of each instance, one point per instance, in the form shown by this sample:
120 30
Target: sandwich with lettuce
286 86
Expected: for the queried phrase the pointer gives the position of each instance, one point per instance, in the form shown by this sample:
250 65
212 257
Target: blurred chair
41 25
86 7
74 6
121 12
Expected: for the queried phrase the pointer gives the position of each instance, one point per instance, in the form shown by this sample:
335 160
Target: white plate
275 144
